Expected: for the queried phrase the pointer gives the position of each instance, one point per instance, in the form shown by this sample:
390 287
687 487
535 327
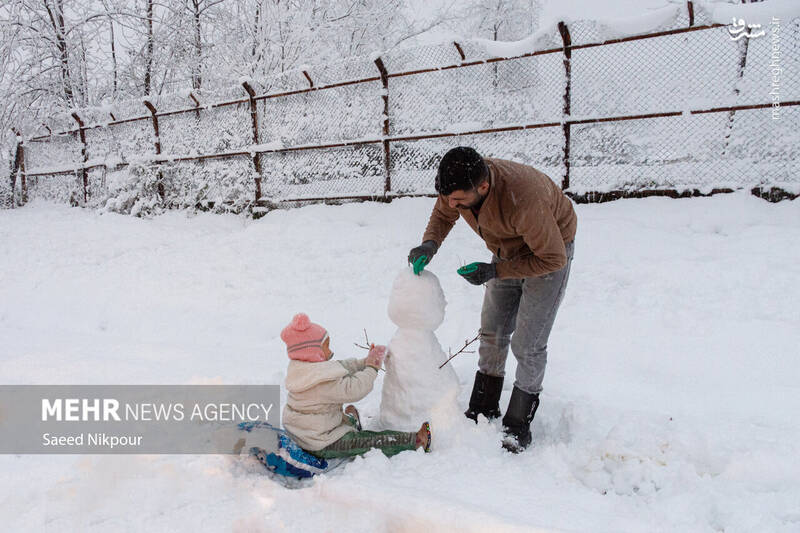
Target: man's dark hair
461 169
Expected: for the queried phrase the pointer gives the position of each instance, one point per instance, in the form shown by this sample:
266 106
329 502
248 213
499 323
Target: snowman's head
417 302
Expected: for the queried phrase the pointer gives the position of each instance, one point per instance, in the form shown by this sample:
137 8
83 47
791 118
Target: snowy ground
670 403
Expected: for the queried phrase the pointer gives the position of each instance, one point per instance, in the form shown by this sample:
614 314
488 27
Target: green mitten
468 269
419 264
478 273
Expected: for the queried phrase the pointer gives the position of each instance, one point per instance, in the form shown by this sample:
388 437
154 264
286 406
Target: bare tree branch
466 343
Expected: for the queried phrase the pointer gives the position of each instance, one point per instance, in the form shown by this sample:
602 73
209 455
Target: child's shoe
424 437
352 412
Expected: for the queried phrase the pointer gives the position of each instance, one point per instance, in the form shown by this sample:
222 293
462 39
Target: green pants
360 442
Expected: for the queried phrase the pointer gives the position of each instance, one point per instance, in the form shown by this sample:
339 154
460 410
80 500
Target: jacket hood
302 375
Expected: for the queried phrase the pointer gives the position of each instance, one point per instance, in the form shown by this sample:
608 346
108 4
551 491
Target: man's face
468 199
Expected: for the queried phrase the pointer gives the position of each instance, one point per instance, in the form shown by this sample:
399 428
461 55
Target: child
317 389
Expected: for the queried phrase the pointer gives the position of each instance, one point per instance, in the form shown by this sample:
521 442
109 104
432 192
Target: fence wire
324 173
226 184
62 188
129 141
414 163
333 115
650 75
632 114
64 149
517 91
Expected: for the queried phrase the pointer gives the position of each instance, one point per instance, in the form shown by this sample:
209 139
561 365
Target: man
529 225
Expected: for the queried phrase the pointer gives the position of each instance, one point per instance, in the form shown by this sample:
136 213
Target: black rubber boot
485 399
517 422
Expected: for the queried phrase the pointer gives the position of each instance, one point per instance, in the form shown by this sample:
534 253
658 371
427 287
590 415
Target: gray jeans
527 308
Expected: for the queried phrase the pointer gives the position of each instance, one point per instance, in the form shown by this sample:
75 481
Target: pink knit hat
304 339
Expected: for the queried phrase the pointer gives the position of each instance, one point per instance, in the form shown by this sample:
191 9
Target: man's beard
475 205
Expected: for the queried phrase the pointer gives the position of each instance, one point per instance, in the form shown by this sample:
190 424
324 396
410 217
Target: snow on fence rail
682 110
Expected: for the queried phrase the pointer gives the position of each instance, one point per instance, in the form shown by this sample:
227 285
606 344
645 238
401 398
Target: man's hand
422 255
478 273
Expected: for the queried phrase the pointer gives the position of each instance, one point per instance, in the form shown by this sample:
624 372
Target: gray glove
422 255
478 273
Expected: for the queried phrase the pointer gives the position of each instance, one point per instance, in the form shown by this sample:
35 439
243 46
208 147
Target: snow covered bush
134 191
144 190
6 193
220 185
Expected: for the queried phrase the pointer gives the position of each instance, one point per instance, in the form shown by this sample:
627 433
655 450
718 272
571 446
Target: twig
466 343
368 346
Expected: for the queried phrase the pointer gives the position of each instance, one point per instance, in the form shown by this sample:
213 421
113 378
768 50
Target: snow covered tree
502 20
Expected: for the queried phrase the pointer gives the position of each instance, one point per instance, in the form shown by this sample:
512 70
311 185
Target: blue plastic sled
290 460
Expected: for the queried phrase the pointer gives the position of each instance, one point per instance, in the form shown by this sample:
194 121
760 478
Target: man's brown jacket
525 220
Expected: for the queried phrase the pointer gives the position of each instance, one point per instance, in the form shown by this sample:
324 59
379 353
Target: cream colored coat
313 413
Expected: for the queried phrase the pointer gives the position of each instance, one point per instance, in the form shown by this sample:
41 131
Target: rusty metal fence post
251 96
22 176
196 104
743 45
385 129
19 167
84 156
150 107
308 78
12 175
460 51
153 112
567 40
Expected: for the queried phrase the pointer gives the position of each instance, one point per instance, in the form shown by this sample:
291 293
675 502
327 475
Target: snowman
415 389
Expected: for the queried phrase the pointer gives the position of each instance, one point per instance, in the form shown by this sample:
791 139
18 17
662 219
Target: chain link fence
682 108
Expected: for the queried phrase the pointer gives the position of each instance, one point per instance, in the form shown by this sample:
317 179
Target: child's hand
376 356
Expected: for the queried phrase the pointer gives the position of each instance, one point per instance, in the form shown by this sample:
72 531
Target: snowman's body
415 389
